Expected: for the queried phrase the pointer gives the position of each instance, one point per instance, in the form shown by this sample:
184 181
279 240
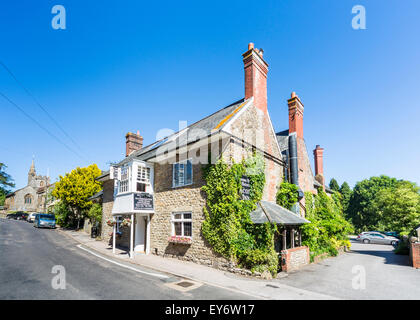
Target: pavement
252 287
369 271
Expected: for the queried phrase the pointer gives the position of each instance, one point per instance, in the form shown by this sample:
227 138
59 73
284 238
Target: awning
270 212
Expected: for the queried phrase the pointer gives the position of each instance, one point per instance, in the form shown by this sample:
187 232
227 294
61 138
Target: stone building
158 187
31 198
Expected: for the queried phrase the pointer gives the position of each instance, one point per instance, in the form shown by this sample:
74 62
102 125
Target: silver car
376 237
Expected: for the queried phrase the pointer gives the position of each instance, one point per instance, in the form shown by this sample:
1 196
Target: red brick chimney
133 142
295 115
319 167
256 77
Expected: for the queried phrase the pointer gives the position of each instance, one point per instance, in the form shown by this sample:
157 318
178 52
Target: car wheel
366 241
393 243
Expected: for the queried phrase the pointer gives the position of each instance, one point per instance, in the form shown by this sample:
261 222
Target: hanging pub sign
143 201
114 173
246 188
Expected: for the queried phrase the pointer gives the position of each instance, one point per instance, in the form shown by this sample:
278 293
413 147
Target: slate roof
192 133
283 140
271 212
96 195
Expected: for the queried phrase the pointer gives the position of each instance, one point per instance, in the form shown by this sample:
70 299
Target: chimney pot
250 46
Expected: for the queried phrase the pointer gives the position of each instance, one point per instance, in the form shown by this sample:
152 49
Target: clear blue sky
144 65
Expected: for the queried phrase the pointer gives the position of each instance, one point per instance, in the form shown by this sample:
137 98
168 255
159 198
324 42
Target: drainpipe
294 170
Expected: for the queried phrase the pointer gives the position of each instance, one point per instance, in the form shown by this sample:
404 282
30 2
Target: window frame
185 163
182 221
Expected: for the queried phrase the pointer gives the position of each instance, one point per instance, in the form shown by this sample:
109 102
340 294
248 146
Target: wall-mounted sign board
143 201
246 188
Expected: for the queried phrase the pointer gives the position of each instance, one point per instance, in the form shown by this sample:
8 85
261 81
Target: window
124 179
182 173
182 224
143 178
28 199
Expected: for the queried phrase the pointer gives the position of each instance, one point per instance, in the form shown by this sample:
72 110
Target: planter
180 240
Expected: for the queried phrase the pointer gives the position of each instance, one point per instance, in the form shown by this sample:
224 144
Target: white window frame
126 181
182 220
184 162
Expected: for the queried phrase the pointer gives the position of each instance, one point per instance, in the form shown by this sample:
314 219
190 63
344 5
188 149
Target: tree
363 214
76 187
95 213
398 207
345 196
6 182
334 185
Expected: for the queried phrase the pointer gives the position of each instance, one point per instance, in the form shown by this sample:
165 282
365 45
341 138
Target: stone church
32 197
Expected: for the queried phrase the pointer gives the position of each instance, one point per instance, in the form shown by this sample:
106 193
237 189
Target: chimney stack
133 142
295 115
319 168
256 70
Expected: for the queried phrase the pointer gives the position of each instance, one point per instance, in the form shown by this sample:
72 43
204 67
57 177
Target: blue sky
137 65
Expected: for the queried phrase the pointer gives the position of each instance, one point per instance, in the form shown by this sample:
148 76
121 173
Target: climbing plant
328 229
227 226
287 195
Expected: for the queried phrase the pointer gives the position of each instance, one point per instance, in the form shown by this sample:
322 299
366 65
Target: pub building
153 202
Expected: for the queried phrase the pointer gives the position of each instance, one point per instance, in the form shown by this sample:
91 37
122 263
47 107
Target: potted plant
110 222
126 222
180 240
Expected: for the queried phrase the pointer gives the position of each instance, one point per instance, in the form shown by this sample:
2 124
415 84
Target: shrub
328 229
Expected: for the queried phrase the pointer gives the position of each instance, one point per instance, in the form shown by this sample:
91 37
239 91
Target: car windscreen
47 217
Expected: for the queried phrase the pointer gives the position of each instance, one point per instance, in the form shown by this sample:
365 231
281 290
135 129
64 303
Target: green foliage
95 213
345 195
334 185
287 195
6 182
75 188
361 209
385 204
402 248
227 225
398 207
328 229
63 215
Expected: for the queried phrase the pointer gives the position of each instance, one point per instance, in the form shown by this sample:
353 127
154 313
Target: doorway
140 234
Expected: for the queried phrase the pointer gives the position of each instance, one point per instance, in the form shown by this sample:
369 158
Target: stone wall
254 127
107 203
169 200
293 259
415 254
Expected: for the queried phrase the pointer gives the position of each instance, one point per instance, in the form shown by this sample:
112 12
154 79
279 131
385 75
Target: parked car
11 216
22 216
43 220
31 217
392 234
376 237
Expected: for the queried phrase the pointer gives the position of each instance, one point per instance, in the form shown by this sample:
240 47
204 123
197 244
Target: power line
40 106
39 125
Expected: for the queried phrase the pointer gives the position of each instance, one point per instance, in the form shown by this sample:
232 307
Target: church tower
32 172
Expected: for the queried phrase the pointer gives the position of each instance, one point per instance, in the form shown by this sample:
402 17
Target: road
387 275
28 256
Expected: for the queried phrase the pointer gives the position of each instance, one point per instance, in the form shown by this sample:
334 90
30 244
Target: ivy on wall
287 195
227 226
328 229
